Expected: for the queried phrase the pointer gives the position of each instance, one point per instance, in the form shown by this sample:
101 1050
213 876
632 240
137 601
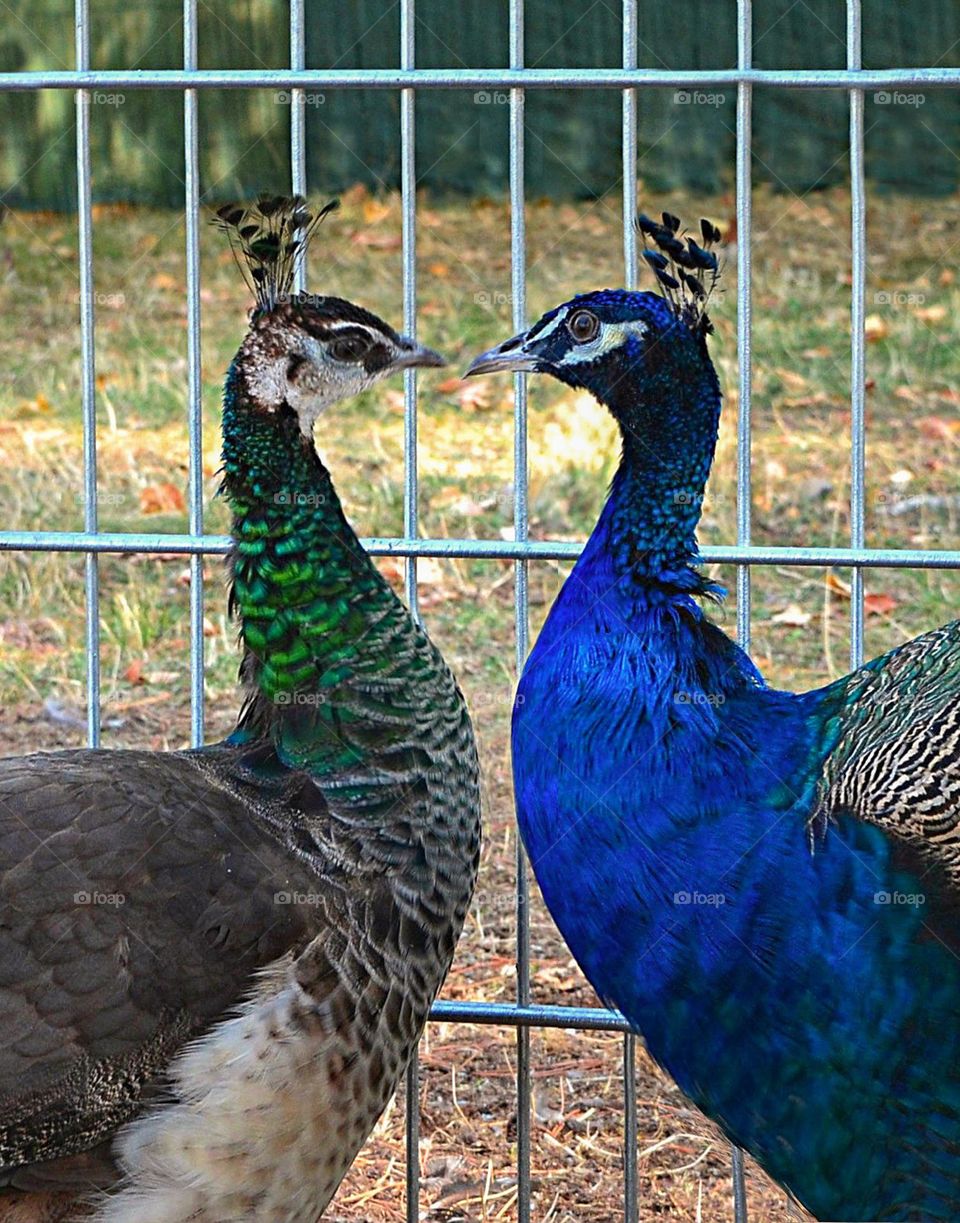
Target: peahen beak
508 355
415 356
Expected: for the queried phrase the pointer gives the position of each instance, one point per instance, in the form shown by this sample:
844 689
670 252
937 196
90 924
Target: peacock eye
583 326
354 348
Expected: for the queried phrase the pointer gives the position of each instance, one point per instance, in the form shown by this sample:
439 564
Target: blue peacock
766 883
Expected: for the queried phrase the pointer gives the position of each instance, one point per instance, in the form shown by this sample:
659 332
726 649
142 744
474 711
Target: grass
800 623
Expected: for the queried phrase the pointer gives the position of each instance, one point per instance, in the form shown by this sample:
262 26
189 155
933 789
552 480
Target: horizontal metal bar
481 78
483 549
532 1015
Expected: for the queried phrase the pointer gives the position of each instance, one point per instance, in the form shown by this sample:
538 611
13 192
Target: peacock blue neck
669 430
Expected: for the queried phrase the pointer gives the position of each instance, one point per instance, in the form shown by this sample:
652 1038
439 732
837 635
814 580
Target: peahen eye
352 348
583 326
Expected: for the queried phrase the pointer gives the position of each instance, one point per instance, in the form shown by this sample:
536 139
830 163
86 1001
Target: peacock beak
414 356
508 355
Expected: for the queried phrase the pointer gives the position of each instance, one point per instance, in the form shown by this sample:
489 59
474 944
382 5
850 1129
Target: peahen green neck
310 602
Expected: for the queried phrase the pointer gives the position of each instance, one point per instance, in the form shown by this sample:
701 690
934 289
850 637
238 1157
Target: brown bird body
215 964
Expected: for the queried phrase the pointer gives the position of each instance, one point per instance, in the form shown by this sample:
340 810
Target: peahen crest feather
268 239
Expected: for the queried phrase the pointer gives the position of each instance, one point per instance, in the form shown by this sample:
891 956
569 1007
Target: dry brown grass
800 496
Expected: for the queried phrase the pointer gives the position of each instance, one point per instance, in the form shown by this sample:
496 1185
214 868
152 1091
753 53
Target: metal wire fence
629 79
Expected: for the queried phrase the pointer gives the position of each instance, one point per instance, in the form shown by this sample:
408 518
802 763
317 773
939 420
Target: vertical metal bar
88 382
858 247
412 1137
629 141
744 309
408 188
194 399
518 289
630 1189
298 125
739 1188
744 361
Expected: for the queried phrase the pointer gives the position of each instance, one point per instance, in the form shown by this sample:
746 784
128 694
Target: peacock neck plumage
646 533
312 607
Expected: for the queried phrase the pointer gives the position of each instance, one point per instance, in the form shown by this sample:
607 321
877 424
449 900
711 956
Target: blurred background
686 138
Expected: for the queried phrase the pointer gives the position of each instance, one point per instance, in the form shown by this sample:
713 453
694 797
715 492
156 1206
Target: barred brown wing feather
896 760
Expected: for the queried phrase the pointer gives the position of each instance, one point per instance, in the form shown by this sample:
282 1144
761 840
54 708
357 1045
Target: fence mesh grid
628 79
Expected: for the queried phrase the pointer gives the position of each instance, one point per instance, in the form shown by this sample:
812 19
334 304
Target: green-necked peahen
765 883
288 900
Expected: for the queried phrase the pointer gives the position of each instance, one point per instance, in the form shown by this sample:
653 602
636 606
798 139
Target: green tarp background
573 137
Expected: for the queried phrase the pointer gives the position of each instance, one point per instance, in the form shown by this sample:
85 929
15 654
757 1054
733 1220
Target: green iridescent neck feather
314 612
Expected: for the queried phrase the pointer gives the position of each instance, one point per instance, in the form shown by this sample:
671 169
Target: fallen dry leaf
377 242
161 499
937 429
879 604
394 569
837 585
354 195
793 616
792 380
374 211
449 385
932 314
875 328
134 673
476 395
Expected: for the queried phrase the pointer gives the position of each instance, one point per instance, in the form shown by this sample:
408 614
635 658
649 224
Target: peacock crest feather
686 271
268 240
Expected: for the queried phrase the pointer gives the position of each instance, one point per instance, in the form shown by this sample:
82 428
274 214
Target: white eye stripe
550 328
349 324
609 337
